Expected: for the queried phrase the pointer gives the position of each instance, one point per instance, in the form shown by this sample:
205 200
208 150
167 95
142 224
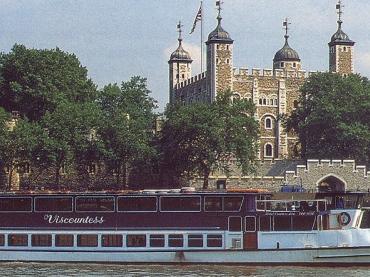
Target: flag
218 3
198 17
338 6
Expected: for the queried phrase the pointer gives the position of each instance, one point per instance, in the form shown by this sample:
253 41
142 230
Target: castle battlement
192 80
257 72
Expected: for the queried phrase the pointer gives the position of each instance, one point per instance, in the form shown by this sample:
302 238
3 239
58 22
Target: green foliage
333 118
126 127
34 81
200 138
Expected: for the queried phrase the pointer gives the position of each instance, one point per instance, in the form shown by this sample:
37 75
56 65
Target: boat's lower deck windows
175 240
87 240
214 240
156 240
43 240
287 223
136 240
111 240
18 240
2 240
195 240
64 240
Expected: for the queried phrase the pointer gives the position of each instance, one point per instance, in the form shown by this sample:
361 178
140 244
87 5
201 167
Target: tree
127 125
201 137
34 81
332 119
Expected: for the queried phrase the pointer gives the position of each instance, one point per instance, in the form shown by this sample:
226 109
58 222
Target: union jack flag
198 17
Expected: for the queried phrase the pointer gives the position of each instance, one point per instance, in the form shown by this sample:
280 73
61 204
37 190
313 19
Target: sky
117 39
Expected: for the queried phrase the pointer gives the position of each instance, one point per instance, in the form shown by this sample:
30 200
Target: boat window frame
241 224
97 196
27 197
245 223
44 196
213 196
232 196
181 196
138 196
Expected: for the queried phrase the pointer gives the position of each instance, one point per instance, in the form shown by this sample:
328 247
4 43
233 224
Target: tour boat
184 226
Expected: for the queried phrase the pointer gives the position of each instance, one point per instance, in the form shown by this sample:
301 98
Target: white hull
341 256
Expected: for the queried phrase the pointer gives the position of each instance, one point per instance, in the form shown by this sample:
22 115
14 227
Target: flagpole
201 40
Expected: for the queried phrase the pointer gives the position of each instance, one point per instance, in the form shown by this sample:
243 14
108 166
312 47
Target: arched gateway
331 183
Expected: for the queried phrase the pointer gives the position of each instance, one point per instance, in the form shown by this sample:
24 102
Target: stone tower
286 58
179 66
341 49
219 59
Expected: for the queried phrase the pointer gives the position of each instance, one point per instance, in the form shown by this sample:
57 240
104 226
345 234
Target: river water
46 269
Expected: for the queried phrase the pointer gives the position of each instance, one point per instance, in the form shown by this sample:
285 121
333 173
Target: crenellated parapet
280 73
192 80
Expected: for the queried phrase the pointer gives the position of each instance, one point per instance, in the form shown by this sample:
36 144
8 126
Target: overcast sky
117 39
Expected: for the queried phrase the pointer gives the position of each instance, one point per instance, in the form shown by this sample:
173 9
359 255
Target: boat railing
291 205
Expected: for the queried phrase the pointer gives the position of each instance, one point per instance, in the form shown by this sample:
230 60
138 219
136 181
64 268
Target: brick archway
331 182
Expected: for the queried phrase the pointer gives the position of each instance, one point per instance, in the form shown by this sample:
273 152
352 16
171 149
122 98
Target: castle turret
179 66
341 48
219 59
287 58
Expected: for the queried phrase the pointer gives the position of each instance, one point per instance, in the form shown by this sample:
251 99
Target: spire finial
339 8
286 24
218 5
180 31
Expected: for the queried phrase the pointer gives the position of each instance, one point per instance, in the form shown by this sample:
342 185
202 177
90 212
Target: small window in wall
260 101
282 64
64 240
156 240
268 150
136 240
227 47
214 240
294 65
111 240
183 76
195 240
295 104
41 240
264 101
175 241
227 61
87 240
217 46
18 240
268 123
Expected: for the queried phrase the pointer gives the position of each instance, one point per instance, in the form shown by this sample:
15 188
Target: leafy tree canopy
201 137
333 117
34 81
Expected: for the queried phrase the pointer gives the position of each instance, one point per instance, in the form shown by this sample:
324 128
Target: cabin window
175 241
213 204
282 223
39 240
250 223
235 224
304 223
232 204
365 221
137 204
15 204
87 240
214 240
64 240
54 204
111 240
180 204
265 223
18 240
2 240
195 240
136 241
156 240
95 204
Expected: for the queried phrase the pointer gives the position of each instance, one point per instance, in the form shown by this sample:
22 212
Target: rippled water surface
44 269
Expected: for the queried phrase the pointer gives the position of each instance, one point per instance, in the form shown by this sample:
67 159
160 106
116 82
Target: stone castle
273 91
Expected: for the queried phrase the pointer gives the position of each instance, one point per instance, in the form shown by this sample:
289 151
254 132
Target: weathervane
218 5
286 24
339 8
179 30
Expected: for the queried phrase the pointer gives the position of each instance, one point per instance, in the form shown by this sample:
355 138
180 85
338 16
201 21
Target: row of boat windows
114 240
124 204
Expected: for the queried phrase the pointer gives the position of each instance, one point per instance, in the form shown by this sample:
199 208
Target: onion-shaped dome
286 53
219 34
340 37
180 55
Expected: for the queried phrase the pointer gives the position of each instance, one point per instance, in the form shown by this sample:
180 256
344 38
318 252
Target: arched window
235 97
264 101
268 123
268 150
260 101
295 104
